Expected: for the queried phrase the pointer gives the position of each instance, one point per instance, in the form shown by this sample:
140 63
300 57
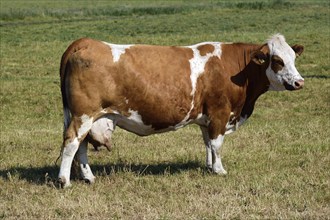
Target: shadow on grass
48 174
145 169
36 175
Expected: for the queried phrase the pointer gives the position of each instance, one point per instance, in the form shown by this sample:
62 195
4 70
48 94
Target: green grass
277 163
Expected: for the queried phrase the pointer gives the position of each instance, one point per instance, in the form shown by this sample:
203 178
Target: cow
149 89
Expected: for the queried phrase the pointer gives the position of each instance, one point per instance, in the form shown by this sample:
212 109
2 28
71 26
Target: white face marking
289 74
86 124
117 50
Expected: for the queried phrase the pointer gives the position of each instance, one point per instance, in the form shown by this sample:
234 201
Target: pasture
278 163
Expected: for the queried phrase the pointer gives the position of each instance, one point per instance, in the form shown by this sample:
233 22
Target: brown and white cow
151 89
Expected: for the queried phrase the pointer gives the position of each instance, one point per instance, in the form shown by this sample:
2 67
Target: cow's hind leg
70 147
86 172
74 135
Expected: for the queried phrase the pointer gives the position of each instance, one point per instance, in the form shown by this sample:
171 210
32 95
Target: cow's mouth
299 84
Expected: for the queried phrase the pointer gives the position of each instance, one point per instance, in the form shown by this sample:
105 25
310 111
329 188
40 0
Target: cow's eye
277 63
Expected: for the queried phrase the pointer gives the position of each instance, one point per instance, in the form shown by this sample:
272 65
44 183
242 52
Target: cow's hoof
62 183
219 171
90 180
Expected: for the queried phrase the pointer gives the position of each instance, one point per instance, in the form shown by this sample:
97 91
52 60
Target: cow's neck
256 84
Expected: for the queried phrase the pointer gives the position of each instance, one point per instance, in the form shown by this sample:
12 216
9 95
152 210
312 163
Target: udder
100 133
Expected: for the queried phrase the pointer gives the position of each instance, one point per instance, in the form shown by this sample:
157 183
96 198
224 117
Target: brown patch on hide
205 49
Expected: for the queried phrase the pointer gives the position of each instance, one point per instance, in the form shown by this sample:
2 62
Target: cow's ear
298 49
259 57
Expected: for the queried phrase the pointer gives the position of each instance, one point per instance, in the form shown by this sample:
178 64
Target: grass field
278 163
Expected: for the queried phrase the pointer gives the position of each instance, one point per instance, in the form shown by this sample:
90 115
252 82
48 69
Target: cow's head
280 58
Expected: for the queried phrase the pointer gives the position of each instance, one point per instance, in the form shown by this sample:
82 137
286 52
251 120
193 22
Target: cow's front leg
214 136
86 172
216 159
208 147
213 160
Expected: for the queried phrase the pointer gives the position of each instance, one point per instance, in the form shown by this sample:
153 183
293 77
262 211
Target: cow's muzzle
299 84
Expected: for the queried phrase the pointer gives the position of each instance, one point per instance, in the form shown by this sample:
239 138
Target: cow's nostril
299 84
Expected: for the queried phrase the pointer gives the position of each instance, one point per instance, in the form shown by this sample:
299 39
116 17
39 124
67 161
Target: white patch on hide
86 124
117 50
197 65
198 62
135 124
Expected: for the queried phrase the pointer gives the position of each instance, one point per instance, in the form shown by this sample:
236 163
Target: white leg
69 151
208 157
207 146
86 171
215 146
71 145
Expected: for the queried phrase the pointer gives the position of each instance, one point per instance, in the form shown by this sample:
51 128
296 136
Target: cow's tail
63 74
65 102
66 110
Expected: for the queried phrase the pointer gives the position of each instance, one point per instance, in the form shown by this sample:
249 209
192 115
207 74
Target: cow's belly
102 128
134 124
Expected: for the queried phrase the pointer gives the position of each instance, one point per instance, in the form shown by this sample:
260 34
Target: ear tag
261 61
